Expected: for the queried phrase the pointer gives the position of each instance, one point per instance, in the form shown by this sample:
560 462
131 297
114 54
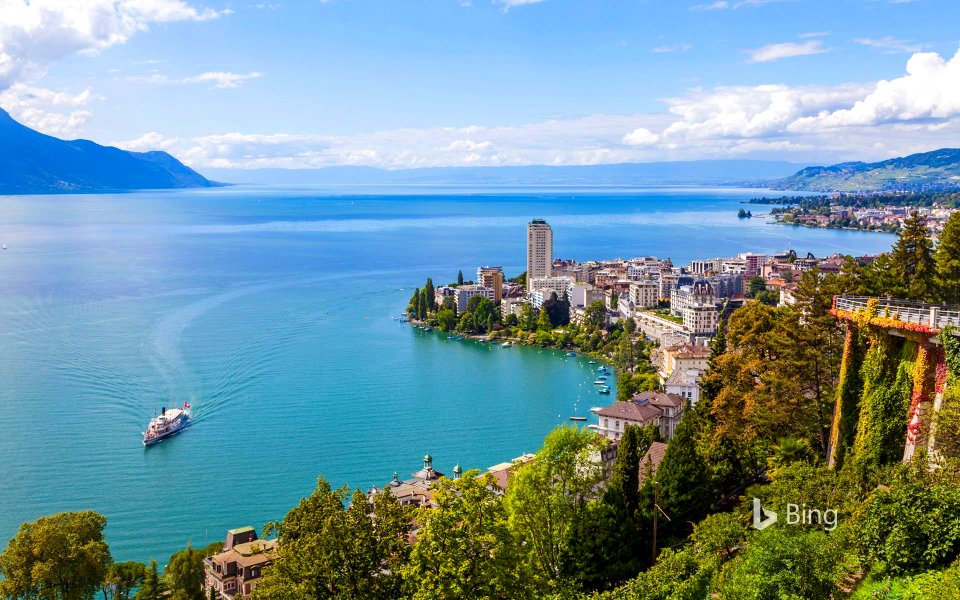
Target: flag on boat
186 405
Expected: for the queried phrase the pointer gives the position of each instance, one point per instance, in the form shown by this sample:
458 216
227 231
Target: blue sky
446 82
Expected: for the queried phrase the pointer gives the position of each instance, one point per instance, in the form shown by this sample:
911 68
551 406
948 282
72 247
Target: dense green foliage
465 547
60 557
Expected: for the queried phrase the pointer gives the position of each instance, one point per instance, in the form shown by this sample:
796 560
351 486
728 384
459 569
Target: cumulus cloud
218 79
49 111
35 33
911 113
640 136
899 114
773 52
928 93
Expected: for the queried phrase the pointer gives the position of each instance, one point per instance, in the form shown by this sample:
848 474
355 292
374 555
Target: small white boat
600 382
4 246
505 345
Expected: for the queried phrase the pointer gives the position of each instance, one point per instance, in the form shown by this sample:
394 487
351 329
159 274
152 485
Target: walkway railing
931 315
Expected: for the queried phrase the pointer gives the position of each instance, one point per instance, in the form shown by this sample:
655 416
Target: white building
465 292
646 408
645 294
550 284
539 251
685 383
697 305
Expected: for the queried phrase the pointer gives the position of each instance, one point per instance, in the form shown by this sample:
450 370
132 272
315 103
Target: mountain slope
34 163
935 170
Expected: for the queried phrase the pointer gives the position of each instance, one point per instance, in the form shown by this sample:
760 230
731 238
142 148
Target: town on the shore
677 309
884 212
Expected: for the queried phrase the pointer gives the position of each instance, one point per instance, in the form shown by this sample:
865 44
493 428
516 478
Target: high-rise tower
539 250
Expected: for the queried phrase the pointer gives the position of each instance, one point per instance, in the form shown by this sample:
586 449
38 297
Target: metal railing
922 313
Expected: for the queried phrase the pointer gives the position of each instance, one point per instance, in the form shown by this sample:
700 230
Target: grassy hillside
935 170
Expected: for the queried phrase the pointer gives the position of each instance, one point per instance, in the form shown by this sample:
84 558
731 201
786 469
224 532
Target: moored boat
169 422
578 418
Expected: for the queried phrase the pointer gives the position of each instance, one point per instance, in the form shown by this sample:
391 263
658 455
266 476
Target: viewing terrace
933 316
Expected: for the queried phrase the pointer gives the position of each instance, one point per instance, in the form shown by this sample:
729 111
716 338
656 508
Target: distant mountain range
697 172
34 163
928 171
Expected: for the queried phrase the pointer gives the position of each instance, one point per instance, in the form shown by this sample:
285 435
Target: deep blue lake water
270 311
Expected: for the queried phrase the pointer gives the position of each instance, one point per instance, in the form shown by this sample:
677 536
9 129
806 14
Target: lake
270 310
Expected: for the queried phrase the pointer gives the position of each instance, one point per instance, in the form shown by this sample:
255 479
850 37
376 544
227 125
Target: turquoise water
270 311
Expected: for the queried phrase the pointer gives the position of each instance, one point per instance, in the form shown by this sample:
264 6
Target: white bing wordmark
762 518
796 515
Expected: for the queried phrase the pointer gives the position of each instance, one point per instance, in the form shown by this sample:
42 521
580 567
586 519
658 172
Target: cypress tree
948 260
413 307
422 305
913 260
429 291
685 477
459 277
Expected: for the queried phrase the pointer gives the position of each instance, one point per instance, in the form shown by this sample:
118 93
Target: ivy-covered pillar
849 388
941 371
921 400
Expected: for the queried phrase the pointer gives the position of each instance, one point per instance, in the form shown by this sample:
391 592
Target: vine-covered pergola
892 379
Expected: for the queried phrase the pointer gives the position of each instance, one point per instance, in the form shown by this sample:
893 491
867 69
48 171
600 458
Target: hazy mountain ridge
926 171
680 172
35 163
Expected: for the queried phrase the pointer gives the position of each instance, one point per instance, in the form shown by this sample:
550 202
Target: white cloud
219 79
929 92
890 44
682 47
48 111
37 32
916 112
508 4
641 136
786 50
724 4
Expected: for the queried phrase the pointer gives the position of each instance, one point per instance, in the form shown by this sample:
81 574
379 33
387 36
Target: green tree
609 543
947 259
184 575
467 323
446 319
485 312
329 550
630 325
614 298
528 318
684 476
548 495
153 587
61 557
413 307
122 578
595 316
429 291
543 321
459 277
912 260
450 303
422 306
465 548
813 341
756 286
784 563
